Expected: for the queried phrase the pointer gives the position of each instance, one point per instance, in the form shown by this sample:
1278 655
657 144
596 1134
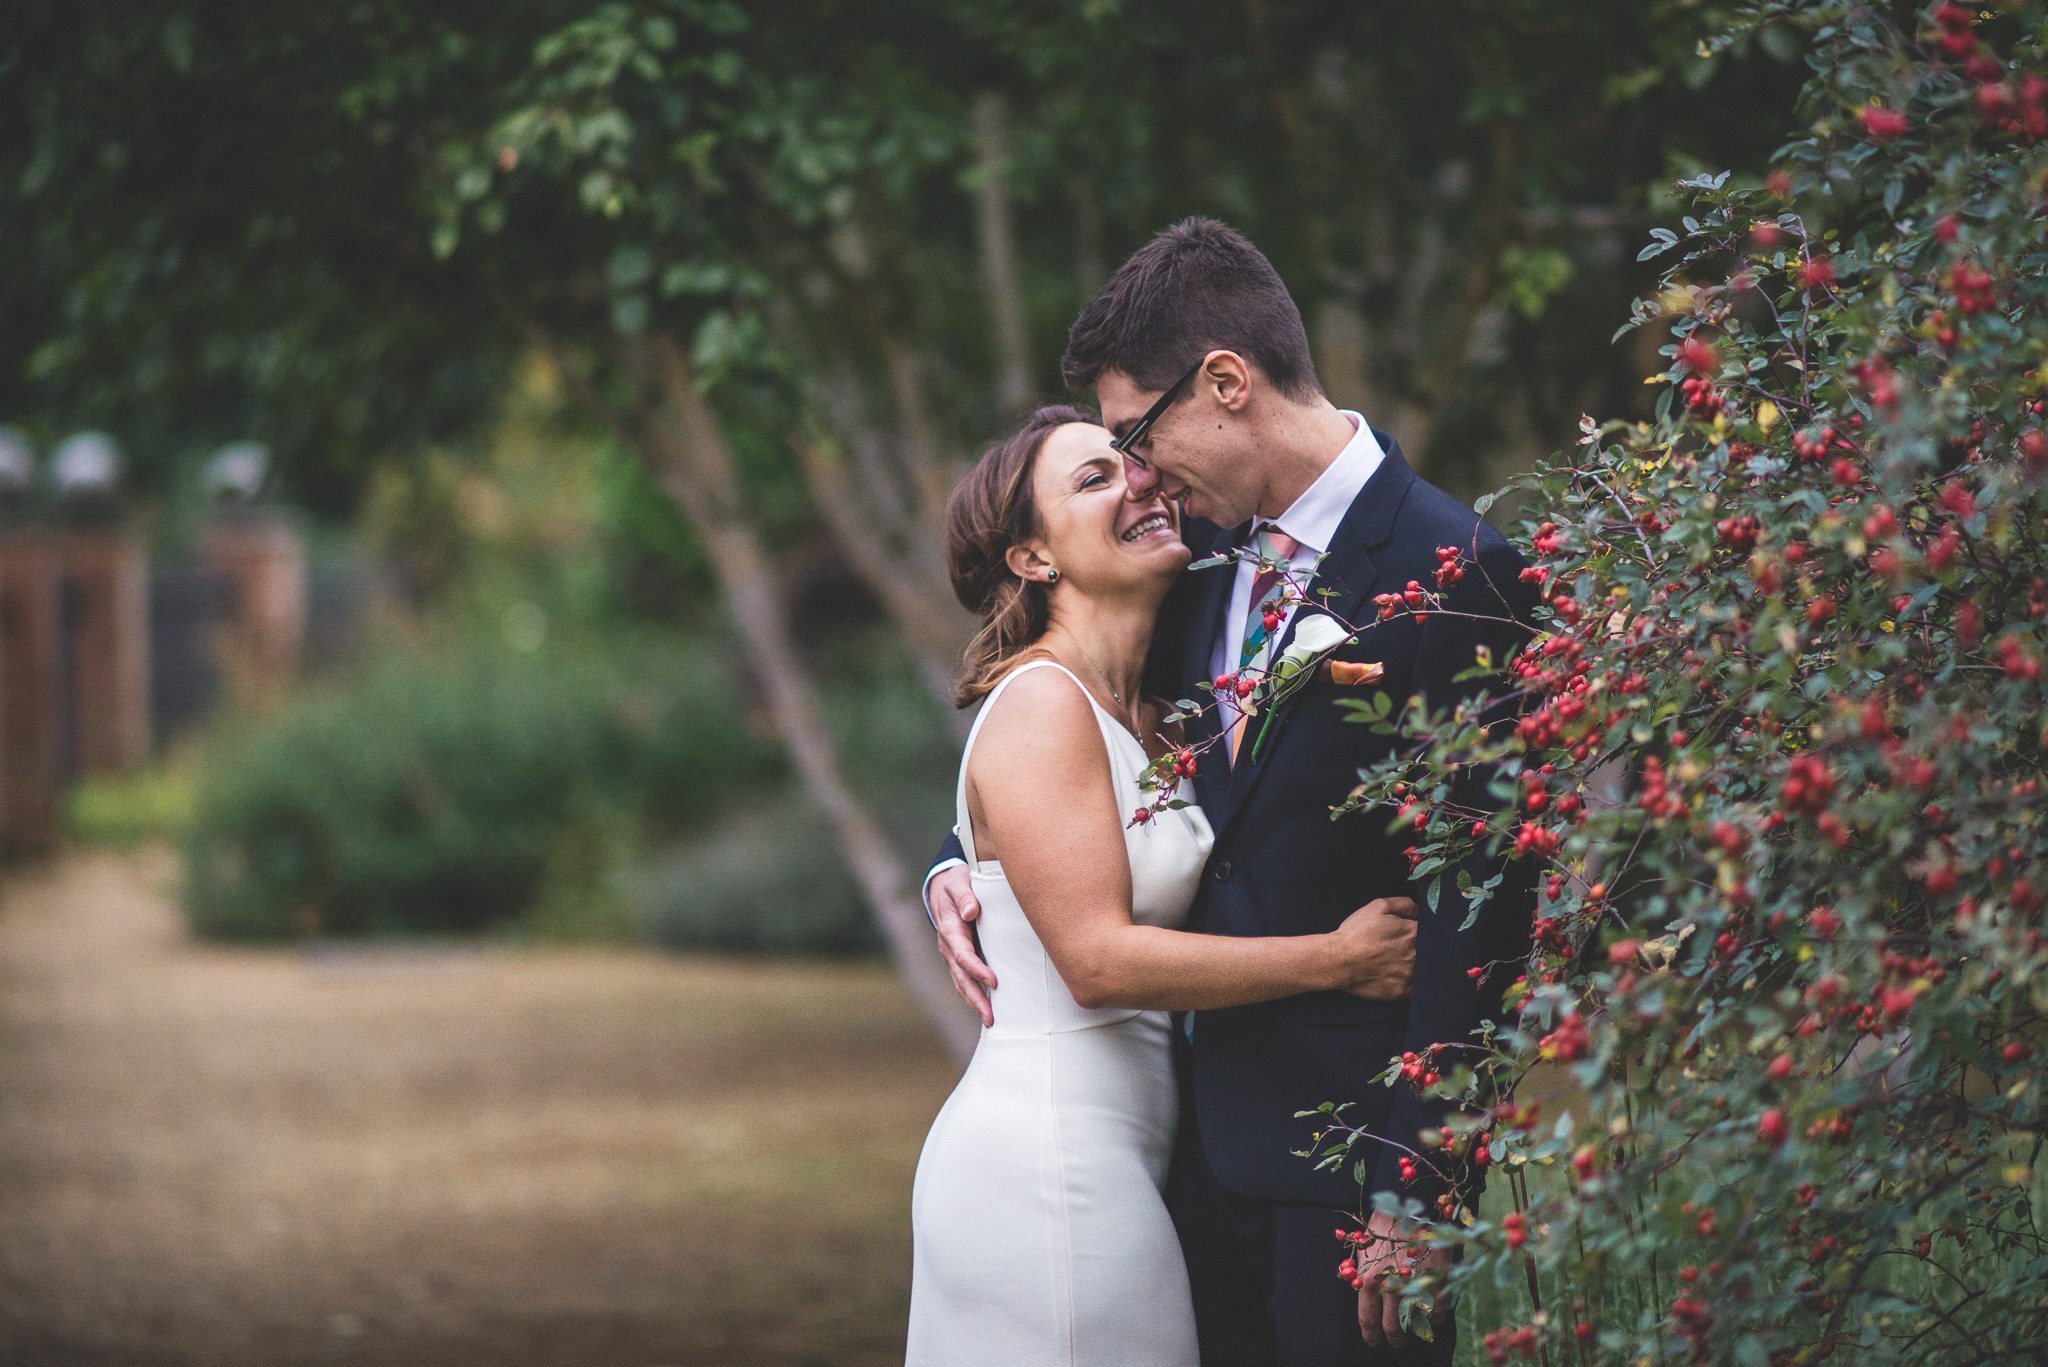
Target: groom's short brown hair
1195 287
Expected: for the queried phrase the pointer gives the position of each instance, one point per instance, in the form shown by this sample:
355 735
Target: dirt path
430 1157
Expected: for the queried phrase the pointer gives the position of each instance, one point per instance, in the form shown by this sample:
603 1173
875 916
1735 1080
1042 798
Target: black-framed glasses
1122 445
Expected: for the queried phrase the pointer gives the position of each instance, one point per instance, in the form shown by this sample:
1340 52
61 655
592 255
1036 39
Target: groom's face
1187 456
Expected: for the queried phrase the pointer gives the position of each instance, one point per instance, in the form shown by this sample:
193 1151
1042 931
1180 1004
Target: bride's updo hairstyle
992 509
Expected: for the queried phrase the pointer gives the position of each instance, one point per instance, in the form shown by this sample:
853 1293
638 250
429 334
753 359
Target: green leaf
629 267
446 235
659 32
179 42
693 277
629 314
1661 240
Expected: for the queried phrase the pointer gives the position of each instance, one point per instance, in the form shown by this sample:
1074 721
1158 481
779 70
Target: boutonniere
1316 634
1353 673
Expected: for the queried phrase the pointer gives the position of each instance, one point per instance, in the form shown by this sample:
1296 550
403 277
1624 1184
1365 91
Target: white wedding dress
1041 1234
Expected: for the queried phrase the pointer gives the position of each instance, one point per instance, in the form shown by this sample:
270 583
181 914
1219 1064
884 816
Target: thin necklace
1103 675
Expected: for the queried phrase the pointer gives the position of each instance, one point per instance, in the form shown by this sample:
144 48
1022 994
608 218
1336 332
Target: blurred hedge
768 877
126 810
463 788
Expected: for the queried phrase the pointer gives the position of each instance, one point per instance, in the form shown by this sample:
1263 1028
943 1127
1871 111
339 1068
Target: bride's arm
1049 808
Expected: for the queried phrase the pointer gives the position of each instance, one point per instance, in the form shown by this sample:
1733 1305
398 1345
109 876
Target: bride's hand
1376 949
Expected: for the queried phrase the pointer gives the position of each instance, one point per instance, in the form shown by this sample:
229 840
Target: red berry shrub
1781 759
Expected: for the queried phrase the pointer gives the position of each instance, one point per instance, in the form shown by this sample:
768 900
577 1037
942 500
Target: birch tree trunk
677 436
999 252
695 466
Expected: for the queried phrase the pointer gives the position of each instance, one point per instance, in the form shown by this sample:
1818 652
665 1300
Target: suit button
1223 871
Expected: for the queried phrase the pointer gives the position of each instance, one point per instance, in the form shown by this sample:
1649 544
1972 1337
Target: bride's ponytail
992 510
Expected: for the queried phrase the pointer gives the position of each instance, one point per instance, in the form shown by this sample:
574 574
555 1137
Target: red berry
2034 449
1771 1127
1816 272
1697 355
1994 103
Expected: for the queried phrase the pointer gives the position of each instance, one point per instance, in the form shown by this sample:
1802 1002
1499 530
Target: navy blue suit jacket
1281 866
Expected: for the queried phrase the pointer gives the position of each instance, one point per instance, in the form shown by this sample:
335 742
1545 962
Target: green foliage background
349 231
323 225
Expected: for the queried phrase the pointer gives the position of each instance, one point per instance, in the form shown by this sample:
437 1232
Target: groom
1201 365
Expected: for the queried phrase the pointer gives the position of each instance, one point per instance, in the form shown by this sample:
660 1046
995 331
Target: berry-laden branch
1257 692
1779 761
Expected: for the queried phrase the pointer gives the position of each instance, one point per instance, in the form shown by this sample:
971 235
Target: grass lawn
433 1156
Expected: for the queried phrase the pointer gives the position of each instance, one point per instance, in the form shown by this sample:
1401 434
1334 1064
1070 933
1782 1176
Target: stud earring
1052 576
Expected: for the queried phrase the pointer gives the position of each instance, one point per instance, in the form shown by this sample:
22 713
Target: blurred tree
821 243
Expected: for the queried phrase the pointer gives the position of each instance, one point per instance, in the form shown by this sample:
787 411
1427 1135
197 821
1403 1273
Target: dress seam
1063 1271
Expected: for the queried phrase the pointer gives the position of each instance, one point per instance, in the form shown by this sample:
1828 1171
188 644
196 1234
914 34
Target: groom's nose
1141 481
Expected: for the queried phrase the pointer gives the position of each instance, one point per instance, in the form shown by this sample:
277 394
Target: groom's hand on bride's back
950 898
1376 944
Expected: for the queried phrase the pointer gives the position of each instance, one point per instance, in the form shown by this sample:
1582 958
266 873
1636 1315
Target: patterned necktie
1269 594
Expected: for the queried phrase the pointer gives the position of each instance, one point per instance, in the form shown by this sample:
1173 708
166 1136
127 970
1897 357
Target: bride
1041 1235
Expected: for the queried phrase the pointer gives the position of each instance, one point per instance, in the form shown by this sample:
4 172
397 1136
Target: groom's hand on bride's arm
1379 1312
949 897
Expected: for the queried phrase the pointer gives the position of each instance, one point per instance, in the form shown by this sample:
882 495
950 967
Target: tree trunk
936 629
695 466
677 436
751 590
1091 259
891 548
999 253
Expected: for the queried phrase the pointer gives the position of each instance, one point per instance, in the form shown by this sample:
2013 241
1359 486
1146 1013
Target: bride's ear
1028 562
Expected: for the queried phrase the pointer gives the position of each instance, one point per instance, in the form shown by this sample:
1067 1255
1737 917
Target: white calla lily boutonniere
1316 634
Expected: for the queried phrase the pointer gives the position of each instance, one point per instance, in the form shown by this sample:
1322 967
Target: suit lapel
1349 572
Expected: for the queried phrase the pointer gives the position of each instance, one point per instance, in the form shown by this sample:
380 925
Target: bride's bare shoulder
1039 741
1032 698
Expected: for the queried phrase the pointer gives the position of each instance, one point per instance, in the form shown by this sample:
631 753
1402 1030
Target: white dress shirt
1311 520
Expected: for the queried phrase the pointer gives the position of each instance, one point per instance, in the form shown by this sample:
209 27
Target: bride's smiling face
1099 540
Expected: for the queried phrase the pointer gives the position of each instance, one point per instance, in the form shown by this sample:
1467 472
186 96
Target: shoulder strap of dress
963 825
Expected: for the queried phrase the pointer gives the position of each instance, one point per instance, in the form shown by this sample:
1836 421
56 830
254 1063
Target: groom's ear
1228 379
